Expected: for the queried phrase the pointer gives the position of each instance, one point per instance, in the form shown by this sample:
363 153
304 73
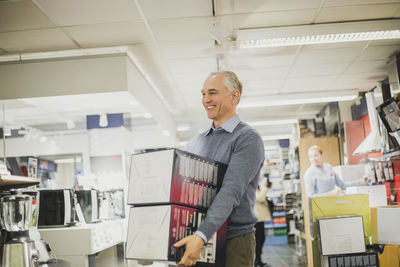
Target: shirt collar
228 126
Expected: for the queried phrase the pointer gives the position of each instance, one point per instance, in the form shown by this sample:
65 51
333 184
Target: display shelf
13 181
278 213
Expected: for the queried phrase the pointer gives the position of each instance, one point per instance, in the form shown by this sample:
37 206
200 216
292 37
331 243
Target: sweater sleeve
310 186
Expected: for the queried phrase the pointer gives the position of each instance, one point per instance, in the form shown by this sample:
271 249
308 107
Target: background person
321 180
235 143
263 214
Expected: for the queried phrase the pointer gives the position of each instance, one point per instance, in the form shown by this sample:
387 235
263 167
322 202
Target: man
321 180
235 143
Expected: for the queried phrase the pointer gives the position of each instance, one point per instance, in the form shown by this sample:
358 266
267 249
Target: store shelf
13 181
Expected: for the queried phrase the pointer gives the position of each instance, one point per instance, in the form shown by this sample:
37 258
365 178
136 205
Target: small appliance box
343 206
153 230
377 194
341 235
385 225
174 176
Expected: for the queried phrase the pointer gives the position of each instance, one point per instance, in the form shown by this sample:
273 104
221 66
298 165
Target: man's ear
236 96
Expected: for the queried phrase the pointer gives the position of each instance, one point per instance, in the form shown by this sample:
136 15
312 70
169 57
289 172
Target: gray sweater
237 144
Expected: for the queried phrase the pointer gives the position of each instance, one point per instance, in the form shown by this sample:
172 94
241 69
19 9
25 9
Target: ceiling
175 43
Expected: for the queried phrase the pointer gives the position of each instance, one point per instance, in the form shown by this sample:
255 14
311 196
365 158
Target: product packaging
174 176
153 230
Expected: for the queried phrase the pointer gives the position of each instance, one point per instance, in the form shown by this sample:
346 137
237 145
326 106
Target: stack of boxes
169 193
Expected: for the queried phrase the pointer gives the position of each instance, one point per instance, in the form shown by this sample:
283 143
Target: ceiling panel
321 83
22 15
256 74
182 29
155 9
313 57
35 41
109 34
379 52
196 64
186 49
336 3
76 12
260 85
367 66
247 6
361 77
353 13
272 19
316 70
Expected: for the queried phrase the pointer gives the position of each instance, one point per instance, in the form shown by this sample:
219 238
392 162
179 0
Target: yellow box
389 257
385 225
343 205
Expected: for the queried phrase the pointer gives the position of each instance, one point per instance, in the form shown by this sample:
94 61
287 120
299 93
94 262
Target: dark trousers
240 251
260 238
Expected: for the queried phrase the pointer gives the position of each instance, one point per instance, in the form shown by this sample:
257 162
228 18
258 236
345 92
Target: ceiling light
276 137
166 133
183 128
103 120
272 122
319 34
68 160
147 115
70 124
296 99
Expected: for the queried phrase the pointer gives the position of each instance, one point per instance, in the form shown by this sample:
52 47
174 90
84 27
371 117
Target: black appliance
57 208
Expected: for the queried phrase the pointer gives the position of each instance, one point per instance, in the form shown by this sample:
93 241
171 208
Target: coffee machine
16 216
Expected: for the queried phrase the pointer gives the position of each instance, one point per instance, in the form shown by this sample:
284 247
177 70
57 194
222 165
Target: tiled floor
280 256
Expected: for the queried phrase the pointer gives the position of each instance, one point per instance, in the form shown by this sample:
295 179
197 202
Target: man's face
316 158
220 104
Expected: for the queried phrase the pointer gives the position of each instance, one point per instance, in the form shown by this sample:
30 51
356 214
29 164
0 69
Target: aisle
280 256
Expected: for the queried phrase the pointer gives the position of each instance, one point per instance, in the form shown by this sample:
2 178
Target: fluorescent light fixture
70 124
183 128
272 122
68 160
147 115
276 137
6 58
75 53
296 99
319 34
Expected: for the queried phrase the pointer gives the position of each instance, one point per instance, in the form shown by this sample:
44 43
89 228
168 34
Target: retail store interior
85 85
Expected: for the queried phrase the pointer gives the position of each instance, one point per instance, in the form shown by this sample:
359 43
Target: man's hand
193 245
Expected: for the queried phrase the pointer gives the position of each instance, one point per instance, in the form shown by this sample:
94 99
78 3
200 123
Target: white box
376 193
350 172
174 176
153 230
385 225
341 235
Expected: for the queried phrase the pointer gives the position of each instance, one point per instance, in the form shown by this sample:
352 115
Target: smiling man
236 144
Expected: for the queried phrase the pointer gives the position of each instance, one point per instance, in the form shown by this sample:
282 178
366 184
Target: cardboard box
343 206
385 225
377 194
341 235
350 172
153 230
174 176
390 256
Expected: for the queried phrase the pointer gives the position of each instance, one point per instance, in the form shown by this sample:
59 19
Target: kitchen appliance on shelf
89 200
16 215
57 208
